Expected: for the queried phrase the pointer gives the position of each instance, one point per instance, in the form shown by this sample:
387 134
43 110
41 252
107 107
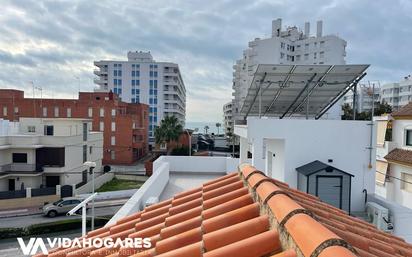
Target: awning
381 132
381 170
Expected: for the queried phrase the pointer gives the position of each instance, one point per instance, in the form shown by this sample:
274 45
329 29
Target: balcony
101 71
100 81
21 168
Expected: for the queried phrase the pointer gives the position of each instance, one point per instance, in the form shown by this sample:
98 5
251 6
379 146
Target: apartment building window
322 43
315 44
69 112
31 129
90 112
112 154
113 140
113 112
282 45
101 126
90 149
297 58
314 55
406 183
19 157
408 138
16 110
101 112
48 130
113 126
4 110
84 153
44 111
56 111
321 55
306 46
282 55
306 57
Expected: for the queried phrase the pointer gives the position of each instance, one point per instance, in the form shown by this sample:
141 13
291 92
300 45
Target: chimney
276 27
319 26
307 29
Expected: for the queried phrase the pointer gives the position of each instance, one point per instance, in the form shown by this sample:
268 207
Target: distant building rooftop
400 156
404 112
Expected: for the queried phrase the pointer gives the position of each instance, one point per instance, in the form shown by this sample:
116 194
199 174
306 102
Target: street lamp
91 166
190 140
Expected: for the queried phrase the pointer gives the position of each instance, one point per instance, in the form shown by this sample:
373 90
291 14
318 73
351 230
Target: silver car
61 206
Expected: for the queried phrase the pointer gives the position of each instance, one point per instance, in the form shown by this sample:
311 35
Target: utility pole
34 101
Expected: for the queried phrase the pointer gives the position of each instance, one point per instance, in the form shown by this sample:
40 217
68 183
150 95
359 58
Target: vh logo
32 246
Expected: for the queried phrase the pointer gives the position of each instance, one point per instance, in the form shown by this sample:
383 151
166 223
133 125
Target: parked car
61 206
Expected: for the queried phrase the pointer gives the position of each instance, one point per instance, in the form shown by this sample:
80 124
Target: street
24 221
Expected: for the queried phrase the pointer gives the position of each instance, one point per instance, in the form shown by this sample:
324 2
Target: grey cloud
17 59
58 40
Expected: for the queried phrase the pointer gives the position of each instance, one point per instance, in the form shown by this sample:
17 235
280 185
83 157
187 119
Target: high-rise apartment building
228 118
141 79
124 125
399 94
364 95
290 46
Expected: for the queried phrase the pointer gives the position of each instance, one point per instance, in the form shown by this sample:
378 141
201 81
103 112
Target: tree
168 131
379 109
218 125
382 108
347 112
206 129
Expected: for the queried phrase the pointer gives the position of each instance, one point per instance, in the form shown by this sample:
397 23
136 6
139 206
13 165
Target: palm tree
206 129
218 125
168 131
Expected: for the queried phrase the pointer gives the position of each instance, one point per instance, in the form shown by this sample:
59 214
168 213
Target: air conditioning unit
151 201
379 216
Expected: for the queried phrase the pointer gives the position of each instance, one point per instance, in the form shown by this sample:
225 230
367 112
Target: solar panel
287 90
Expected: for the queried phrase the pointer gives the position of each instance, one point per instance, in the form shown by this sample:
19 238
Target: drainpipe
371 124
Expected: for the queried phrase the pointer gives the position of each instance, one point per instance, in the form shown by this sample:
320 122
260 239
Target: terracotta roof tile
399 155
404 111
245 214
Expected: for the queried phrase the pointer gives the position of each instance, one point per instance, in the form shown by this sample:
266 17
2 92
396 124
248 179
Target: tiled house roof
400 156
246 214
405 111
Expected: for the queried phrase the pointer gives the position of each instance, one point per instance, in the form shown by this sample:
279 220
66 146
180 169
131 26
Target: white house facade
36 152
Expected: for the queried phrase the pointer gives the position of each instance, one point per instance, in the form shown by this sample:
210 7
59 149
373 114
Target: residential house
45 152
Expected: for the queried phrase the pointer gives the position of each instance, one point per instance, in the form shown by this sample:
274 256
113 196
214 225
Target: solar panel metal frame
284 88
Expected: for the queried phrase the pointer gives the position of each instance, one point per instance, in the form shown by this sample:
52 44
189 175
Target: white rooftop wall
298 142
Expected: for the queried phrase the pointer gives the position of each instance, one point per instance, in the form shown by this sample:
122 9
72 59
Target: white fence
162 168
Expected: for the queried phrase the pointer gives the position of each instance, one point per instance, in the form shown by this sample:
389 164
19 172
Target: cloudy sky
54 43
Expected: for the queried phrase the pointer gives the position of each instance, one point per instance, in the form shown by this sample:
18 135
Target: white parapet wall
199 164
153 187
400 217
98 182
163 167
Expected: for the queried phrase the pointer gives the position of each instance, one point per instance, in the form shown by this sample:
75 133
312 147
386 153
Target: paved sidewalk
37 209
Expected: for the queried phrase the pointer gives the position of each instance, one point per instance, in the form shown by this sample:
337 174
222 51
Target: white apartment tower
228 118
399 94
141 79
364 95
290 46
